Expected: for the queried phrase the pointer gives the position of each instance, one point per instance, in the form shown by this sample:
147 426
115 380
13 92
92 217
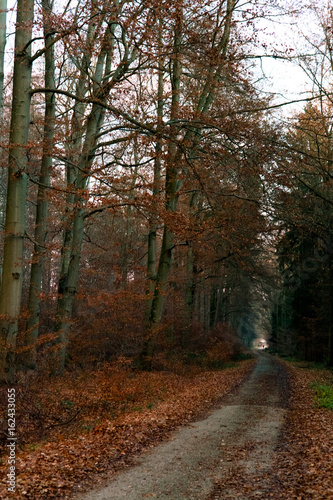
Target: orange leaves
304 466
122 413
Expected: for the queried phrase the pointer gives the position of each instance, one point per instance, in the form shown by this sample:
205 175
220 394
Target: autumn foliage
303 466
156 219
76 434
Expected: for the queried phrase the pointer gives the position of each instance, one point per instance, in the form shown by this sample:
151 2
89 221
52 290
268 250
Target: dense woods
153 205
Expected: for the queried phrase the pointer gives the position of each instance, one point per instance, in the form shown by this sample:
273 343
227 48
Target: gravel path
202 457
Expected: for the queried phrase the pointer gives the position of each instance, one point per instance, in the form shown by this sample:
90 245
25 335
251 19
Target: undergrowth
324 395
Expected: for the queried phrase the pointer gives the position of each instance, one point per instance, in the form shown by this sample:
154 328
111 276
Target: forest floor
267 440
116 429
78 430
236 439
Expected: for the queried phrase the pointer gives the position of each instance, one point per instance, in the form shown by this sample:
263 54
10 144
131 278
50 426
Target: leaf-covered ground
304 462
302 468
78 433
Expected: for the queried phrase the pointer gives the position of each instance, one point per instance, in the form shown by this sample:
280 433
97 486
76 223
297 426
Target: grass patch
324 395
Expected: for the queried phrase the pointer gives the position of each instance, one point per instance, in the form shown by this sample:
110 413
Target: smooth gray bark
153 222
125 247
3 19
173 163
68 285
29 356
11 290
171 195
73 153
94 125
73 211
190 285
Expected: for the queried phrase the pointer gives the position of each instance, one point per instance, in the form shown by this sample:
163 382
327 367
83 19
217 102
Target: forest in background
153 204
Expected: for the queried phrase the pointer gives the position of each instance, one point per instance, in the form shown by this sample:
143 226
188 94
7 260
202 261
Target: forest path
215 458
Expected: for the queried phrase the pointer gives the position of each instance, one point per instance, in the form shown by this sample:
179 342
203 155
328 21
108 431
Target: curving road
218 457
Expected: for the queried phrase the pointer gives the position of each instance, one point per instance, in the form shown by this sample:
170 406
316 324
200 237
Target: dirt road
215 458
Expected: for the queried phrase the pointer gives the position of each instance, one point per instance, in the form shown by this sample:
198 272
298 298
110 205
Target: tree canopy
153 200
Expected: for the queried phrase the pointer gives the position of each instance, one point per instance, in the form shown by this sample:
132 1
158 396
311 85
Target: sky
284 79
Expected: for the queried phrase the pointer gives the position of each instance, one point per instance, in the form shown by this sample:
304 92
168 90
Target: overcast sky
285 79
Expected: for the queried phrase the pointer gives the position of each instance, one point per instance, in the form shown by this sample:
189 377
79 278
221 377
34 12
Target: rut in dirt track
201 459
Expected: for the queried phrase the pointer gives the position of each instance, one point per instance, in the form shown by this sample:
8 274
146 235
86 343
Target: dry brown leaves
121 414
304 462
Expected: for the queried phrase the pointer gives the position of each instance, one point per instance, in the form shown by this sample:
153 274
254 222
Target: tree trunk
330 318
125 247
171 196
3 19
190 285
29 356
75 144
11 290
77 178
173 166
153 222
68 285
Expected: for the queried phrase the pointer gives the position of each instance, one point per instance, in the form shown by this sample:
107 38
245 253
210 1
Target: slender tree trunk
171 184
330 319
207 310
213 306
190 285
73 155
153 222
94 124
172 168
74 213
70 278
125 248
171 196
330 277
29 357
3 19
11 290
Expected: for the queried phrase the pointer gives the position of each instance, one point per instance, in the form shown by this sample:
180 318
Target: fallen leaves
124 413
121 414
304 462
302 467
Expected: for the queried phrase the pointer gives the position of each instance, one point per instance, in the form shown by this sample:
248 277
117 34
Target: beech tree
42 196
3 30
202 104
11 290
152 133
110 69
